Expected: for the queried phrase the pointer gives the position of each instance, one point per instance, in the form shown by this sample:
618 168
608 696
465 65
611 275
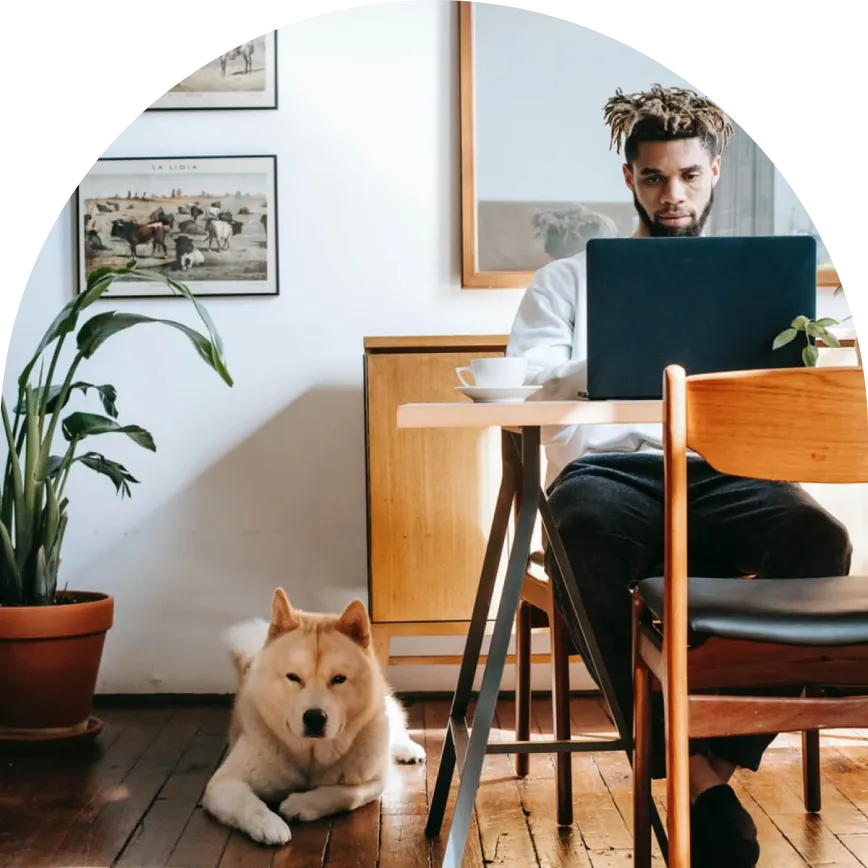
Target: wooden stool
536 609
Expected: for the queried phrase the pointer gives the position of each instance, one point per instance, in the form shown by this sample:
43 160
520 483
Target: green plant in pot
813 330
51 639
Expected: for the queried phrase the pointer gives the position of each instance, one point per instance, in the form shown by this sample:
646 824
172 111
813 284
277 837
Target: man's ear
283 616
628 176
715 170
355 624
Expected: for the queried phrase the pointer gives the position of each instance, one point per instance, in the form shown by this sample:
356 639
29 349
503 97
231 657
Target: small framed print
207 222
245 77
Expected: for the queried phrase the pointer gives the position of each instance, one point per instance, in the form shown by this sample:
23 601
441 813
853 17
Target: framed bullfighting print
207 222
244 77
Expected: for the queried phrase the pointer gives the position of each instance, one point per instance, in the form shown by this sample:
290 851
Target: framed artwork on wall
208 222
245 77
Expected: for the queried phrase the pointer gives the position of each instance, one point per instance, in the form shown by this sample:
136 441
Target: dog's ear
355 624
283 616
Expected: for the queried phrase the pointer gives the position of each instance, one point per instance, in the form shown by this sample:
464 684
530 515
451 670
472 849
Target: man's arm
543 332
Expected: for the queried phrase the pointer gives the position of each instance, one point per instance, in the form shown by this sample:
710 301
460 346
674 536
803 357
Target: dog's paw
303 807
408 752
267 828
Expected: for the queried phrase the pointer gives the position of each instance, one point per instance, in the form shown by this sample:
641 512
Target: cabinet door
432 493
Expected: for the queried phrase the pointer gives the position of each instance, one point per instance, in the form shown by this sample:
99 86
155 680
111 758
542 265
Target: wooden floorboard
132 800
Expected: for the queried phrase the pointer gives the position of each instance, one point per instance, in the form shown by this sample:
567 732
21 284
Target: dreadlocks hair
663 114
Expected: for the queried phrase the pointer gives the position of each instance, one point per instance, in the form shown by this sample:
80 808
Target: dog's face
316 674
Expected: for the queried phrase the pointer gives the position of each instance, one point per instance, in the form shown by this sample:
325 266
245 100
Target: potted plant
51 640
814 330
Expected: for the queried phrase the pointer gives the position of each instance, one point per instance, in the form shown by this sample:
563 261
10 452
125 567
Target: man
606 482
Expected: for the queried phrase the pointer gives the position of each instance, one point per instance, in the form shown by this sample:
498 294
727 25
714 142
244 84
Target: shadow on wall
286 507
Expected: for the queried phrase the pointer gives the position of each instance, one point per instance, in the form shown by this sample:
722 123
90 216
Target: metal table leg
474 747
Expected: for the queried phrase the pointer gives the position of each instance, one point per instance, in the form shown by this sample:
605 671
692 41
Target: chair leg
561 701
641 765
522 684
677 773
811 770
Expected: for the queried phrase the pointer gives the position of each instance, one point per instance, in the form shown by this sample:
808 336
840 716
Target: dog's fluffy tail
244 642
397 717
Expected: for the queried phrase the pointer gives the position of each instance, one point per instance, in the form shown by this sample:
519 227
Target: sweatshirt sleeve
543 331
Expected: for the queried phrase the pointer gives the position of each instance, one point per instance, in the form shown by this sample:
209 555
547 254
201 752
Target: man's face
673 185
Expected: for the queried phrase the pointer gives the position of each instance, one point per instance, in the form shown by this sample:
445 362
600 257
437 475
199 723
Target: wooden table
520 489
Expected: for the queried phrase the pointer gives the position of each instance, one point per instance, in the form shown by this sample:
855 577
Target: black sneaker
723 834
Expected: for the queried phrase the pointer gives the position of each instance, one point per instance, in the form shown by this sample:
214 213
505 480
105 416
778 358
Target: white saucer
497 394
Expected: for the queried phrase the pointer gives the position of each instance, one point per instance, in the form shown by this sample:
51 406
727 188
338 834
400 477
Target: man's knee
822 538
589 504
580 513
828 533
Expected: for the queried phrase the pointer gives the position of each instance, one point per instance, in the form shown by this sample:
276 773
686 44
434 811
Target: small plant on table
813 330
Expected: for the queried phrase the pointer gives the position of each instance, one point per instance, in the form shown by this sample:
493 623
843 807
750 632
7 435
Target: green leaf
17 480
117 473
181 289
33 446
43 584
107 393
8 566
53 465
810 354
54 551
52 516
830 340
98 281
800 322
80 425
827 321
838 290
784 338
97 330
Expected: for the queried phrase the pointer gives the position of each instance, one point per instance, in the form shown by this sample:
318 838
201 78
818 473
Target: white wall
264 483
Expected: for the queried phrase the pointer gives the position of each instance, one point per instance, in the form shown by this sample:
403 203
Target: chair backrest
792 424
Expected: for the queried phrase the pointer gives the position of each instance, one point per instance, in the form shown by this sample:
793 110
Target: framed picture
245 77
207 222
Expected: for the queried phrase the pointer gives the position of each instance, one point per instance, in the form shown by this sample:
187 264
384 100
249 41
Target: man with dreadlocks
605 482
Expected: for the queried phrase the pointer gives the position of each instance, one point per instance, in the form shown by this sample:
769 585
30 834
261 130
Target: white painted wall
264 484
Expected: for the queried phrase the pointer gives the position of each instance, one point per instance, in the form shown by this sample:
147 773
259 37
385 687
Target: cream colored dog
314 728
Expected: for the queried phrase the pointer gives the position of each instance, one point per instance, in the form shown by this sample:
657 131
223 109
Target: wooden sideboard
430 493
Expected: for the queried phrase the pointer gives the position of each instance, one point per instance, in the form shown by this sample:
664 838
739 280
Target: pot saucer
24 738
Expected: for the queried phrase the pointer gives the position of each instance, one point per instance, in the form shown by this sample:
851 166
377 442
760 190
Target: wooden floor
132 800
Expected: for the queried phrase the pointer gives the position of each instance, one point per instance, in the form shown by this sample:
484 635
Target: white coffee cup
497 372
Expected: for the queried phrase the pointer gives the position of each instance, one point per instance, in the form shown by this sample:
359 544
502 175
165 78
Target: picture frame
208 222
236 80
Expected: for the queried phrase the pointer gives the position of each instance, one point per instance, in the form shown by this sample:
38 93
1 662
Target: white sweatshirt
550 330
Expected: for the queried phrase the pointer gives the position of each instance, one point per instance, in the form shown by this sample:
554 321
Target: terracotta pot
49 662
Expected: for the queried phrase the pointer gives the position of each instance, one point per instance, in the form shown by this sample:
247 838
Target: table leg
475 635
470 765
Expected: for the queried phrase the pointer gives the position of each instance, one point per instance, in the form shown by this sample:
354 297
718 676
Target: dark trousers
609 512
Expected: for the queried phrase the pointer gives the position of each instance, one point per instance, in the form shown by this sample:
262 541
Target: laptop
709 304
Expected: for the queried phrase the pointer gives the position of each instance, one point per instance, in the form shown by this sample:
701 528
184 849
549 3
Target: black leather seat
828 611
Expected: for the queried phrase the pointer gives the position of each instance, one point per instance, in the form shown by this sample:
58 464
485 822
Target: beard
661 230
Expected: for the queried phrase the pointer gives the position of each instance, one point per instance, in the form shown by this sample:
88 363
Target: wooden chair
691 635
